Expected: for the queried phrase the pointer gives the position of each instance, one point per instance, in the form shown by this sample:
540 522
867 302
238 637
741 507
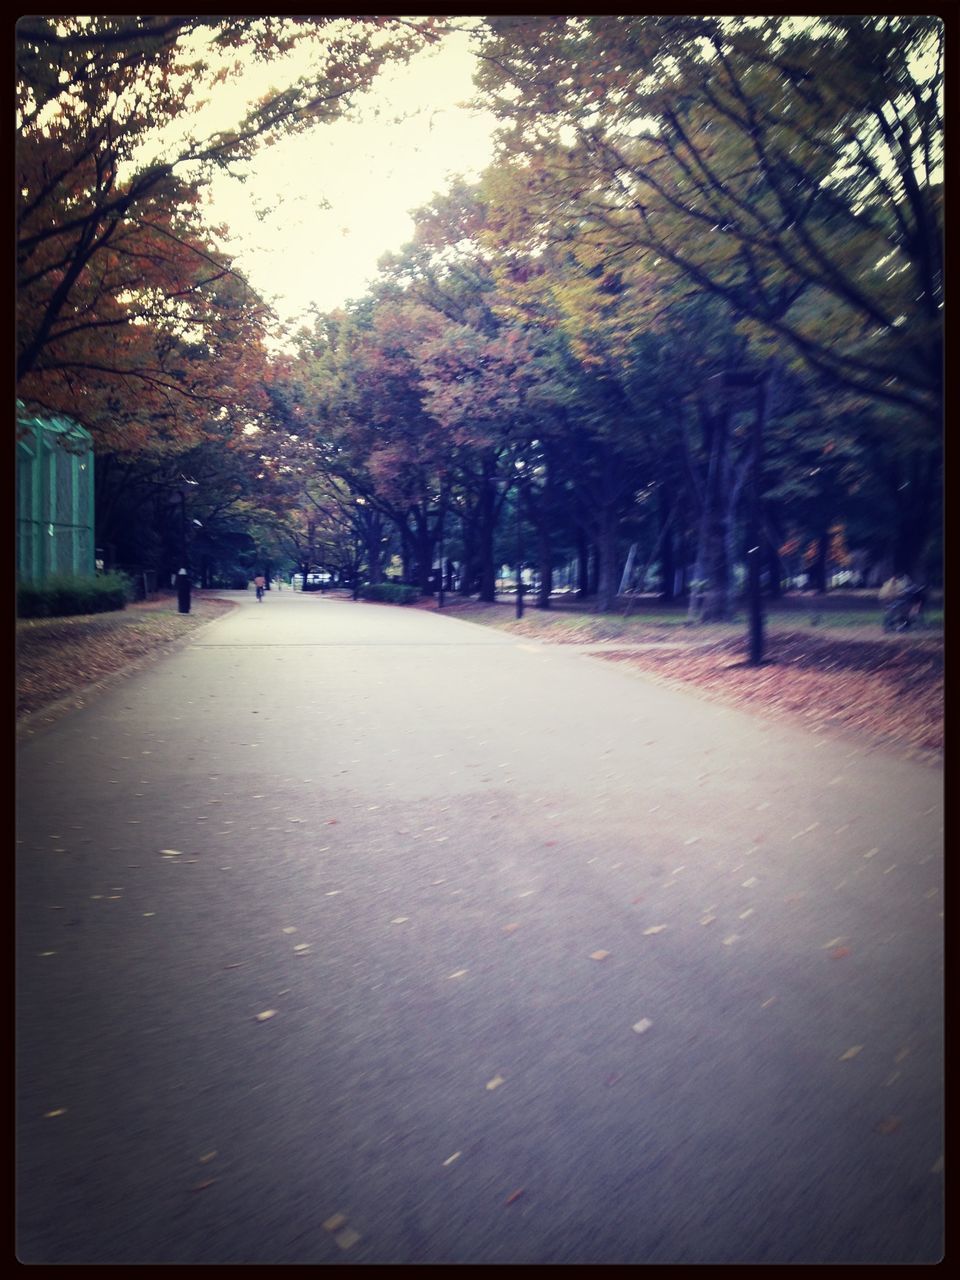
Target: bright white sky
371 170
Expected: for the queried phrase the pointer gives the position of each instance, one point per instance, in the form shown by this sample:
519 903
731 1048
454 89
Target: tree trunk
373 549
607 582
406 554
583 565
818 570
544 566
754 536
375 562
485 532
710 592
716 600
423 550
774 567
470 567
915 509
733 492
667 566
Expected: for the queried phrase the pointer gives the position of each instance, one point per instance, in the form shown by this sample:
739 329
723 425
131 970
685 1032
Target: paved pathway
562 965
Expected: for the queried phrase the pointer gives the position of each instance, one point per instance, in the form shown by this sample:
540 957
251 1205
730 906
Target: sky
371 170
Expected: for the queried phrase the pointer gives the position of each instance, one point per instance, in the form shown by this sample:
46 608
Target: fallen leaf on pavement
514 1195
599 955
840 953
202 1186
207 1157
450 1159
655 928
302 946
57 1111
890 1125
400 920
289 928
510 928
267 1013
347 1238
496 1082
335 1222
850 1053
459 974
643 1025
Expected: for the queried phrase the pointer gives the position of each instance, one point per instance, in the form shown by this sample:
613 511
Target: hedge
59 596
390 593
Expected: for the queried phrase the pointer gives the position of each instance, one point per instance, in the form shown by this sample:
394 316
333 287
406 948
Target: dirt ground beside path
847 675
64 658
886 693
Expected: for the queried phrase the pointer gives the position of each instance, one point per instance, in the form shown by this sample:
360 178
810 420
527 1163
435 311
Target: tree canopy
693 310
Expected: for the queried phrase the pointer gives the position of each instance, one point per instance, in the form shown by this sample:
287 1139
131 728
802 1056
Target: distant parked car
313 580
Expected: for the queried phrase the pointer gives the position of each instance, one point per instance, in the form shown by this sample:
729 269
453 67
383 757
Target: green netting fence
55 526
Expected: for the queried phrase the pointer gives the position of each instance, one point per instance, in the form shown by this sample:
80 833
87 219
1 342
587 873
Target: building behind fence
55 524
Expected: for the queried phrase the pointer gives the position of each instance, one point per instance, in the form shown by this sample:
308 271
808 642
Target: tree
479 372
203 503
128 315
162 338
790 167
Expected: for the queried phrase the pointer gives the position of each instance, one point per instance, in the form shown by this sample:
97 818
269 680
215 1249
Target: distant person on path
260 582
895 586
904 602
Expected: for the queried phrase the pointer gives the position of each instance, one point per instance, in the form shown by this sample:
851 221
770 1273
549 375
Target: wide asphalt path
351 933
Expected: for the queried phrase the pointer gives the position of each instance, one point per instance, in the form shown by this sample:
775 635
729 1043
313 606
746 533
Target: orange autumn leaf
890 1125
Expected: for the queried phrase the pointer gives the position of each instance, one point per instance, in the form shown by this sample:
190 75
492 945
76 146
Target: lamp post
754 522
519 466
183 577
440 540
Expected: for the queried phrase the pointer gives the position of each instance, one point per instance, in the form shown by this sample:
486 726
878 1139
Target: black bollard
183 591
